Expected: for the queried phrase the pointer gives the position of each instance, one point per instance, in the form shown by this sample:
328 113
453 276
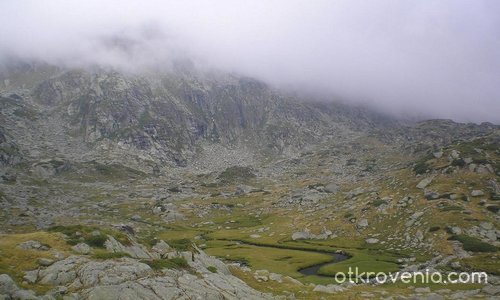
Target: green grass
96 241
421 167
110 255
236 174
484 262
365 261
181 244
173 263
473 244
212 269
80 233
277 260
378 202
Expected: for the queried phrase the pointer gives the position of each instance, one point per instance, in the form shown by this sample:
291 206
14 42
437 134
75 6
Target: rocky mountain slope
197 159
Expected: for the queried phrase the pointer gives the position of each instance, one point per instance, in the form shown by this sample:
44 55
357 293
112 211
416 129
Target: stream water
313 270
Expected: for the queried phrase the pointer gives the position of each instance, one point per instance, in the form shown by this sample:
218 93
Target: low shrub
96 240
181 244
434 228
420 167
473 244
173 263
212 269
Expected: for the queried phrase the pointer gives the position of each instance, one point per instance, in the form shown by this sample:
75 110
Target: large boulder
7 285
424 183
329 289
161 248
301 235
81 248
134 250
477 193
331 188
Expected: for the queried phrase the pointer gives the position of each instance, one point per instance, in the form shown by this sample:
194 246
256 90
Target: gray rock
486 225
354 193
7 285
24 295
329 289
491 289
161 248
482 169
363 223
81 248
491 235
413 218
61 272
31 276
33 245
424 183
477 193
455 230
134 250
372 241
419 235
239 191
431 296
421 290
494 186
438 154
45 262
301 235
276 277
136 218
431 195
331 188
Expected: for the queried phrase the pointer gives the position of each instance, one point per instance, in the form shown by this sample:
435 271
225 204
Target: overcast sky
431 58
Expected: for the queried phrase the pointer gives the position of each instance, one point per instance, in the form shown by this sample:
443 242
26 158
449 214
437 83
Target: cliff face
160 117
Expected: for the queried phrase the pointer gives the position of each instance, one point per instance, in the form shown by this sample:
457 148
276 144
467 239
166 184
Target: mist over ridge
425 58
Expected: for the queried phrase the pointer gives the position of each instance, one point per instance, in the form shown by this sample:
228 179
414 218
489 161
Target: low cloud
426 58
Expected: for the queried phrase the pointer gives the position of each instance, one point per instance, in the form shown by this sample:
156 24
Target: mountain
124 165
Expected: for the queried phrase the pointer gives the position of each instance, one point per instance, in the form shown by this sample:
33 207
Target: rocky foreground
133 276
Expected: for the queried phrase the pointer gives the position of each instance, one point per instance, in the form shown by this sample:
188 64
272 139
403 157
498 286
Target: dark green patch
434 228
212 269
421 167
473 244
458 163
378 202
173 263
493 208
110 255
181 244
236 174
96 240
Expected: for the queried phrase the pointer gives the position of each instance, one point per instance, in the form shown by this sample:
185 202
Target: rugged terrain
119 185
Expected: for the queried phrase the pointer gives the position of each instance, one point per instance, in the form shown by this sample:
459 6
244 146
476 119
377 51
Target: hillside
216 163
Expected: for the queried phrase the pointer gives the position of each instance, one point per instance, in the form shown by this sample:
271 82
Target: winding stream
311 270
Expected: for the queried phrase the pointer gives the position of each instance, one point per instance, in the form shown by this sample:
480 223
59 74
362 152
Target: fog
438 59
